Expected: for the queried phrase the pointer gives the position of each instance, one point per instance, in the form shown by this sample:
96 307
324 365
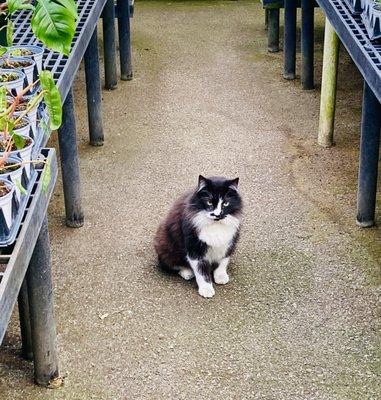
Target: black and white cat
200 233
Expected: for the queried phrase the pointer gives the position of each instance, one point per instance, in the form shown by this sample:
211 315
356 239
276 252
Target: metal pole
24 316
93 89
273 30
289 39
328 86
124 30
67 137
40 290
369 155
109 45
307 44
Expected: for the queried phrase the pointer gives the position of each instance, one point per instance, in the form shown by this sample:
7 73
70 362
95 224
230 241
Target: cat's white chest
218 236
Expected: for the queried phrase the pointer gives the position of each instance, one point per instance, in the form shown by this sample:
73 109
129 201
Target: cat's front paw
206 291
221 278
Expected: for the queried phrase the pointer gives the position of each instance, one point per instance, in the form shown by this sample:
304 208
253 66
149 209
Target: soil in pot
21 124
16 64
8 77
21 52
4 144
10 166
4 189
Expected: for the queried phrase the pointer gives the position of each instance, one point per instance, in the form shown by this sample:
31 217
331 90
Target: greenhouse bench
84 46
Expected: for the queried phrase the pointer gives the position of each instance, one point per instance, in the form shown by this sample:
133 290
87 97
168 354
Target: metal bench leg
40 290
67 137
369 154
26 335
273 30
124 29
289 39
109 45
308 11
93 89
328 86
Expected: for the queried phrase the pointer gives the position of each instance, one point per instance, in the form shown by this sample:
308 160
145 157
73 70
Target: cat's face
218 197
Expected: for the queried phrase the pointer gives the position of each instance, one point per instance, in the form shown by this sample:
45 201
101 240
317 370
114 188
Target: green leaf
9 32
46 177
3 50
52 99
54 23
14 5
19 141
7 124
21 187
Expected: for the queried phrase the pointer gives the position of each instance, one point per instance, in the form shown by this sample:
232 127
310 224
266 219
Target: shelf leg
328 86
109 45
40 292
289 39
124 29
369 156
307 74
93 89
273 30
67 137
266 19
24 315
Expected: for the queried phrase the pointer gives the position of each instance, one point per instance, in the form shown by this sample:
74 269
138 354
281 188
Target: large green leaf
46 177
52 99
54 23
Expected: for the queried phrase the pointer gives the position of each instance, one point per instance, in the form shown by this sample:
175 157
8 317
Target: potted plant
23 64
12 79
34 53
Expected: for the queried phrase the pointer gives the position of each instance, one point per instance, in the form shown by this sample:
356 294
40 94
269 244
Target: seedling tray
355 6
372 20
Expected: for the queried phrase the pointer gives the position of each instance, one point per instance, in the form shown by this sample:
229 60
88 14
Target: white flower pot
18 84
28 71
14 176
6 203
37 55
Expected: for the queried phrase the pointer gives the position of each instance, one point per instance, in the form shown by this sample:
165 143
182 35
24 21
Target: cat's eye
225 203
209 203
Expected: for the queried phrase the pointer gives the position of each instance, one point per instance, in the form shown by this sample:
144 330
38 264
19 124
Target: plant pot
371 18
355 6
6 205
31 115
25 130
25 154
16 85
15 176
37 53
28 70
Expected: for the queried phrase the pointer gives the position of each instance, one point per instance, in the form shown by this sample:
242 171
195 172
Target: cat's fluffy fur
200 233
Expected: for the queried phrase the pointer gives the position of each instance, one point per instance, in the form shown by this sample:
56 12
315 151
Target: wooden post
328 86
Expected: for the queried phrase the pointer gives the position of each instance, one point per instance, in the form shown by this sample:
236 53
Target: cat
201 232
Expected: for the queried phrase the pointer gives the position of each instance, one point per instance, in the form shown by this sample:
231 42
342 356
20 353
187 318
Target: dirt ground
300 318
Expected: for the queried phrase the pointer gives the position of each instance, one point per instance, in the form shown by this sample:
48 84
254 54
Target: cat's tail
165 267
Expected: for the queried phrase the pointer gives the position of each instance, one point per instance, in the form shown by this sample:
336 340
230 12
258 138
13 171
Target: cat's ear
202 182
234 182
